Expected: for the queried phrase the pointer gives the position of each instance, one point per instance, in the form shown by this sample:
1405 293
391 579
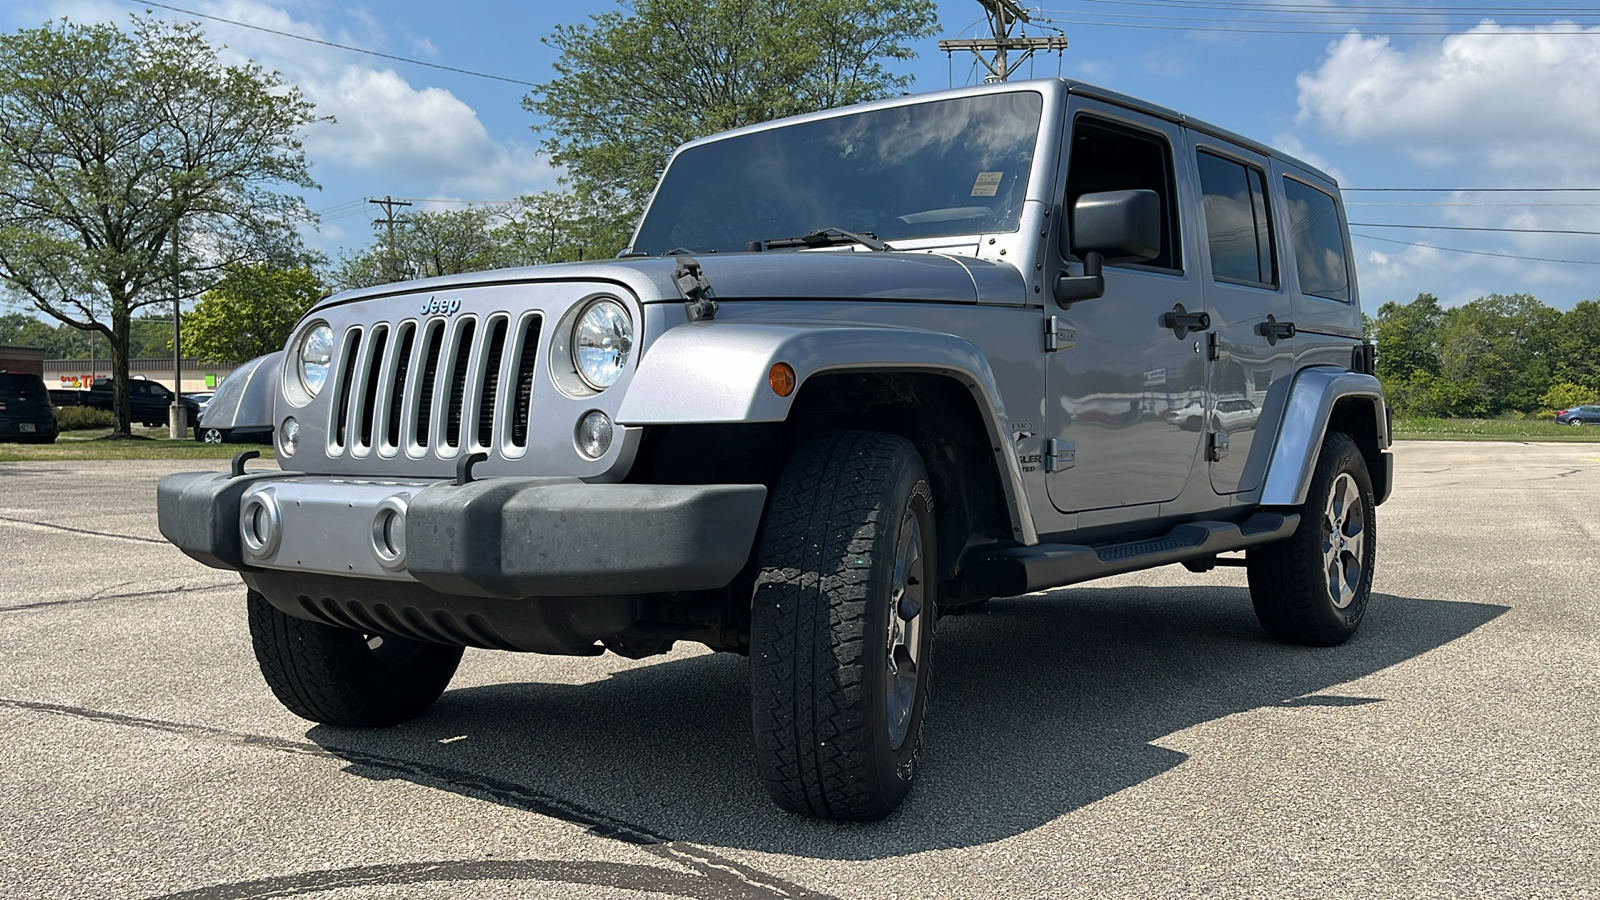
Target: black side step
1022 570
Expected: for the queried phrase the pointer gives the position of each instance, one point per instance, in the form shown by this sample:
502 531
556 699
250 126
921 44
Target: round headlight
315 353
601 342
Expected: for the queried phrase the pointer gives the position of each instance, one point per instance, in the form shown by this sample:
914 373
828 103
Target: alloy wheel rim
907 618
1344 541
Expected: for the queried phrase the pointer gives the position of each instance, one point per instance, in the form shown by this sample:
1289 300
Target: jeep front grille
457 386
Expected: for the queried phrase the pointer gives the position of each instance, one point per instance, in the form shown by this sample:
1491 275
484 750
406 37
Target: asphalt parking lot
1137 737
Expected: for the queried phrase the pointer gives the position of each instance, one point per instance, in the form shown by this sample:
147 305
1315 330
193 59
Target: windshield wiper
829 237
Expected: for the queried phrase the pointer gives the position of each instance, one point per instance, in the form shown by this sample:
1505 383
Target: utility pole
1003 15
389 203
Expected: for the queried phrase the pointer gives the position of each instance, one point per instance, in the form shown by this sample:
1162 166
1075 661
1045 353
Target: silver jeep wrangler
858 368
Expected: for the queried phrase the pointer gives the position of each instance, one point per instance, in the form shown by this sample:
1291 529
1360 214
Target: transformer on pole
1003 15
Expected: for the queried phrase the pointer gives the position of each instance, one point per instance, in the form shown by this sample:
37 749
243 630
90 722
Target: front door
1250 350
1119 378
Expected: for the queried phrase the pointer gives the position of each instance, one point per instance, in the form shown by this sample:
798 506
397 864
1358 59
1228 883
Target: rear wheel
1312 588
340 677
842 627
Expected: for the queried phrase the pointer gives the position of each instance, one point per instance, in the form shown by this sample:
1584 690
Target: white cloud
422 139
1519 100
1294 146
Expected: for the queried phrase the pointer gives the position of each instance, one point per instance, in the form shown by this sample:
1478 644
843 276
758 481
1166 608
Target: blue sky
1494 97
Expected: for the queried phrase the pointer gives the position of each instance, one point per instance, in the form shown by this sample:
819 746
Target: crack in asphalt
718 877
132 595
26 523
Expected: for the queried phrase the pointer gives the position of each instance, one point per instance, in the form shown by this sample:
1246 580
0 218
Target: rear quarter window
1318 239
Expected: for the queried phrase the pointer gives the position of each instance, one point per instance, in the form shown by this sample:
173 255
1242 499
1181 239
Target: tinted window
14 387
1237 229
1107 157
924 170
1318 241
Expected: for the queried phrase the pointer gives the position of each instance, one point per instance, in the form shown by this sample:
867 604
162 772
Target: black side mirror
1125 225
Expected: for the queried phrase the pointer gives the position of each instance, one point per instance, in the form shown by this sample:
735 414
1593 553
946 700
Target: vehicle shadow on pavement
1041 705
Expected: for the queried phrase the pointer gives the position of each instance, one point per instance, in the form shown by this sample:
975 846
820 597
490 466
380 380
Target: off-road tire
820 631
335 676
1290 580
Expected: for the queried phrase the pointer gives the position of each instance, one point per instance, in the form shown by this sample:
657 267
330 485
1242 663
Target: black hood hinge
696 290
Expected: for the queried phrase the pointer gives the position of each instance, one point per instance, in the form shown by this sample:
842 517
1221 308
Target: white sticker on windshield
987 185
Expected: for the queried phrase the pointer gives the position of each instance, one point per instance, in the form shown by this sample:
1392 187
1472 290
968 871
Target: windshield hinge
694 287
1057 336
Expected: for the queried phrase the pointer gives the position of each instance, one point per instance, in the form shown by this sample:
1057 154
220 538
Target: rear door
1249 350
1118 376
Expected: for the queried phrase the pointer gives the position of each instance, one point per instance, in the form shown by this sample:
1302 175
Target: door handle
1273 330
1181 321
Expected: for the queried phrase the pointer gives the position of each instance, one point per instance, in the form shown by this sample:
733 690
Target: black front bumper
504 538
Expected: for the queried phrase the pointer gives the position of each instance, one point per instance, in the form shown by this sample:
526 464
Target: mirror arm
1069 289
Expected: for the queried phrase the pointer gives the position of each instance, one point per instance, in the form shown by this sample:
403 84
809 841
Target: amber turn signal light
781 379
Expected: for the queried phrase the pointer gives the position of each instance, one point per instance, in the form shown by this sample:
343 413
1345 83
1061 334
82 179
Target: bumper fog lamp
289 437
594 434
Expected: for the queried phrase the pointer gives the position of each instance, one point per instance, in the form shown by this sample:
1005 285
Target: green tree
251 312
1577 346
560 226
426 244
1499 349
1407 338
632 86
110 141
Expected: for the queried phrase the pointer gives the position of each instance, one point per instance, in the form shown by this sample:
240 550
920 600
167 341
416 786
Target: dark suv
150 402
25 410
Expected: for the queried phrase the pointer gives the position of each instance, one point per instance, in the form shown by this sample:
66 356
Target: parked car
835 386
236 413
150 402
1579 415
26 415
201 398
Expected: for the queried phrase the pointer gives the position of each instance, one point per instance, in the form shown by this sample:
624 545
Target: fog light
260 524
389 533
594 434
289 437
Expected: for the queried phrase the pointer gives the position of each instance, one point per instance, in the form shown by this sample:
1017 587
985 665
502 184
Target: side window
1318 241
140 389
1107 157
1237 228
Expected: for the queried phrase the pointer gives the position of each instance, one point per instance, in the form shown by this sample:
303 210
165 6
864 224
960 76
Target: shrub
79 418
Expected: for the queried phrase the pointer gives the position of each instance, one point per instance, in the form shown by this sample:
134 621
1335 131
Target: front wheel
842 627
340 677
1312 588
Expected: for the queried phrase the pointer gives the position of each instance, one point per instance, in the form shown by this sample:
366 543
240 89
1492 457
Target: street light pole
180 413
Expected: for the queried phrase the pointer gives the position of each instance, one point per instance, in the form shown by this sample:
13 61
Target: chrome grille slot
396 386
348 356
433 346
457 392
489 381
372 381
527 352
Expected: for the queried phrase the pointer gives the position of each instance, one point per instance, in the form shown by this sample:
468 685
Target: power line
1473 228
1371 9
1332 32
1477 205
1489 190
1575 262
347 47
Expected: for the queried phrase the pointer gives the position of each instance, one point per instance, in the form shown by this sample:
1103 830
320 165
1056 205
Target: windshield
945 167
